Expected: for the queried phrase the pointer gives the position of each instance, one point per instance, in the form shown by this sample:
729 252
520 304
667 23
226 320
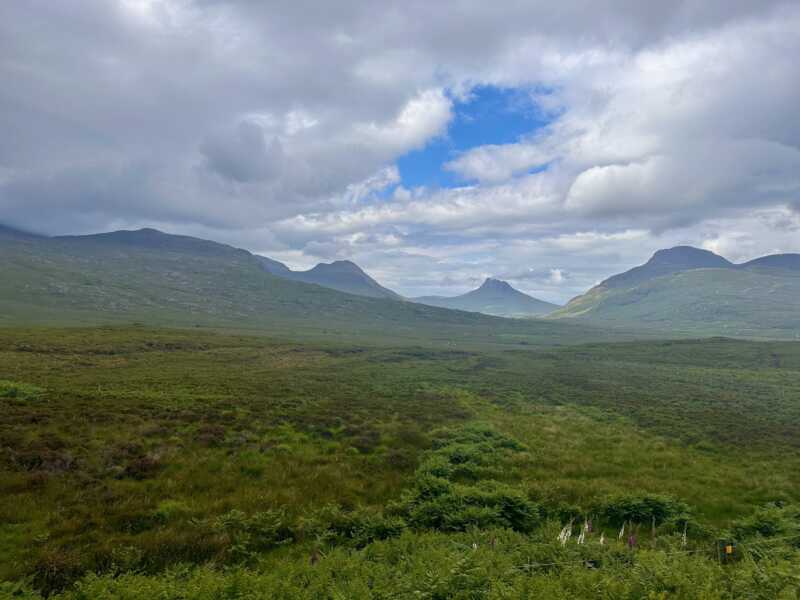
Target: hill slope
341 275
789 262
666 262
704 295
11 233
157 278
493 297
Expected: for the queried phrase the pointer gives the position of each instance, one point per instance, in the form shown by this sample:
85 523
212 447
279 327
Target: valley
173 413
198 448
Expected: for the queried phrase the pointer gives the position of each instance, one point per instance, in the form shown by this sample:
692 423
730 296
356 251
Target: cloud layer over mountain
277 127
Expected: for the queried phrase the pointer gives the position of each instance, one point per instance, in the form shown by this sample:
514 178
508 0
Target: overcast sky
434 143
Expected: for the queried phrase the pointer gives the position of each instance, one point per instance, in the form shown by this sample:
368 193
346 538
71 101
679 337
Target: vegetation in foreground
162 463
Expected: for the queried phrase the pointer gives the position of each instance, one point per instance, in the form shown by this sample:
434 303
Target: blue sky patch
490 115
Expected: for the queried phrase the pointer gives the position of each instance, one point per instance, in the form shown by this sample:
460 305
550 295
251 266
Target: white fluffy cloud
277 126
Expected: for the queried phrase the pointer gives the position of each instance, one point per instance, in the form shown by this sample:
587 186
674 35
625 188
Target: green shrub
643 509
478 433
769 521
171 510
456 489
246 536
460 507
333 525
19 391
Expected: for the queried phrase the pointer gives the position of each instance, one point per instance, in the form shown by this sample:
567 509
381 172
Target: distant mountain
689 290
273 266
789 262
666 262
159 279
10 232
341 275
493 297
151 239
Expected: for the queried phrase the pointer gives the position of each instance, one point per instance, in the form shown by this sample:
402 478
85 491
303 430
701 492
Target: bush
246 536
771 520
441 500
55 569
643 509
19 391
332 525
476 434
460 507
171 510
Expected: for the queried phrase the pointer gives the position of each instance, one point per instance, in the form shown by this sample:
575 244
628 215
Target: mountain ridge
179 279
692 290
150 278
665 262
774 261
493 297
342 275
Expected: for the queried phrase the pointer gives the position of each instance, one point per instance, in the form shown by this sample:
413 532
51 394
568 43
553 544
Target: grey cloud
270 124
243 153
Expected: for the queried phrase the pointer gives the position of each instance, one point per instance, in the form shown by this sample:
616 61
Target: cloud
498 163
243 154
278 126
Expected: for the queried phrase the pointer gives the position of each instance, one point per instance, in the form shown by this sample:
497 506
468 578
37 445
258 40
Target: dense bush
455 507
644 509
248 535
19 391
441 500
332 525
773 520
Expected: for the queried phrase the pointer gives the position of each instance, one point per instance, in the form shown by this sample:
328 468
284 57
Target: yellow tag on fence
728 549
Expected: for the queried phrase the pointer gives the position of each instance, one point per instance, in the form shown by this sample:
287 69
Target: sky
433 143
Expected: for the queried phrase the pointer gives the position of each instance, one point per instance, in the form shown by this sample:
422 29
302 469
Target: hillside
342 275
150 463
789 262
12 233
667 262
157 278
493 297
704 295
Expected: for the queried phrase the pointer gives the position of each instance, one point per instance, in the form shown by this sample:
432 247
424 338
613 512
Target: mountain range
689 290
156 278
493 297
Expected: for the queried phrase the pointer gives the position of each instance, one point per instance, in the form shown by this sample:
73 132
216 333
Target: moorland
178 422
143 462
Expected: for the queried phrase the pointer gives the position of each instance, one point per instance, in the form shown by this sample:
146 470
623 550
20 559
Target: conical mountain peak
496 285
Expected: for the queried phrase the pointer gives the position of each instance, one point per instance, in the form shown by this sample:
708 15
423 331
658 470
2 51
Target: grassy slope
131 438
345 277
94 281
748 303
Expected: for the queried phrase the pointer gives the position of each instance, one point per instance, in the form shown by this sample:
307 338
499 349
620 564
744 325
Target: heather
144 462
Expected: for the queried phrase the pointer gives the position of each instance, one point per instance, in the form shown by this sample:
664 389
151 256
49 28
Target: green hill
667 262
788 262
156 278
341 275
494 297
756 299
